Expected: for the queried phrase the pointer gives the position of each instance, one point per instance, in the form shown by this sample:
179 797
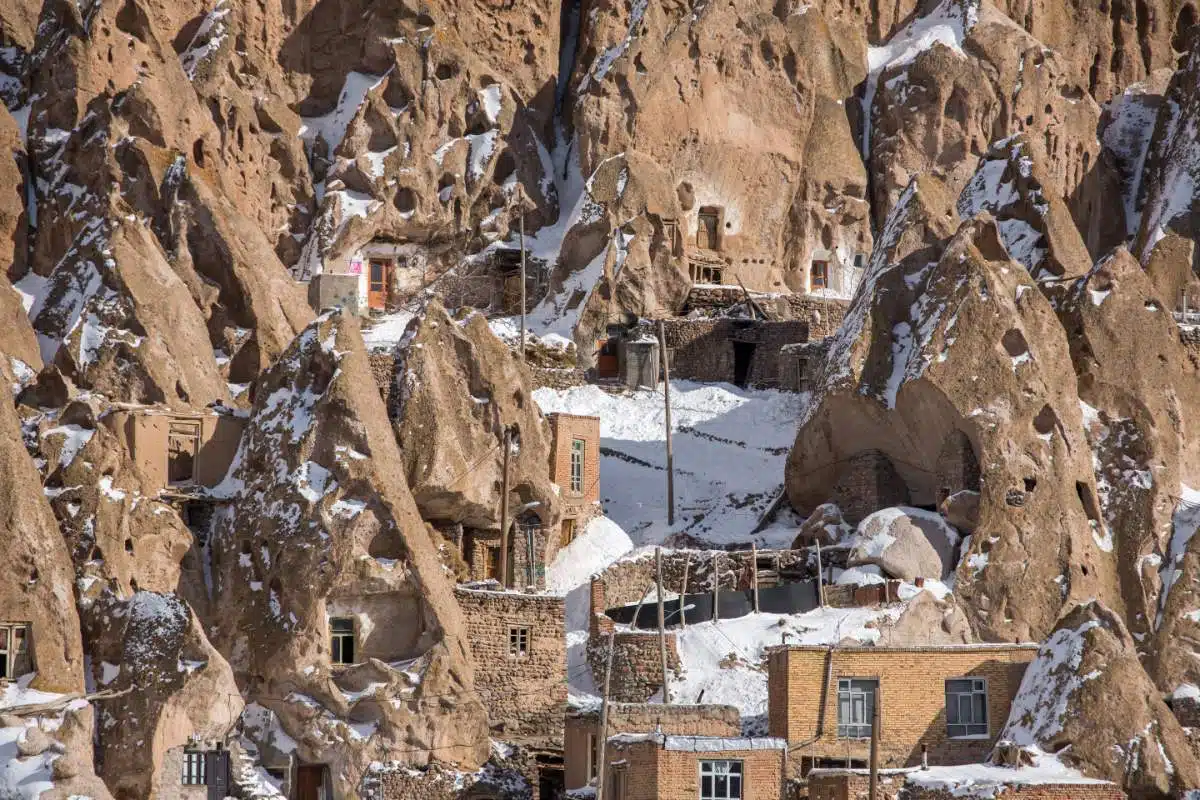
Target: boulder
824 525
33 742
906 543
961 510
927 621
1086 698
459 387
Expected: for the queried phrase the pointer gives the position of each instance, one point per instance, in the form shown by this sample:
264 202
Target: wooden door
606 358
310 782
379 282
706 233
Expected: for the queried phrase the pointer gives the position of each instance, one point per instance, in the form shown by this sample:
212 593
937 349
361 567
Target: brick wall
867 483
564 429
1048 791
834 785
525 697
657 773
685 720
912 687
636 666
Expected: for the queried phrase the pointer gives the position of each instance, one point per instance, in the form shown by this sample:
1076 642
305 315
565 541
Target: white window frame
8 651
578 460
195 768
713 768
979 686
854 728
518 641
337 658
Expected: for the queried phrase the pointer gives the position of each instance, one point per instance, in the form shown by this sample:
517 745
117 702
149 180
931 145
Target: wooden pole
504 510
662 350
873 790
521 201
820 578
687 562
754 572
716 585
662 628
600 770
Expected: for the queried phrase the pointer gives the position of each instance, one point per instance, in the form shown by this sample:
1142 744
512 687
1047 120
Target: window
818 275
14 651
720 780
856 707
518 642
577 451
341 634
193 768
966 707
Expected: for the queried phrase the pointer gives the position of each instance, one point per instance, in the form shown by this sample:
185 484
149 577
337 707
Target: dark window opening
743 357
341 634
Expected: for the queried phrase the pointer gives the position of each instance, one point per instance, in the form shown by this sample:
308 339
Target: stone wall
583 729
800 365
824 316
1042 791
803 708
514 776
624 582
636 663
851 785
738 351
867 483
525 695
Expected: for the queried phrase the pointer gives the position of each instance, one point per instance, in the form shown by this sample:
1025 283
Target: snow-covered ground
25 778
387 331
729 445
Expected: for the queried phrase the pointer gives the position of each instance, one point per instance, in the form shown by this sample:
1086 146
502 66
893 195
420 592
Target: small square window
15 659
193 768
518 642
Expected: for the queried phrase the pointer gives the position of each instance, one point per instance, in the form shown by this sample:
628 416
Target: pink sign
356 265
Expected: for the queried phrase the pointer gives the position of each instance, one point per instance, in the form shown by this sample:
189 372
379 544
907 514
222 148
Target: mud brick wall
912 687
833 785
636 665
703 349
824 315
525 696
683 720
869 482
655 773
624 582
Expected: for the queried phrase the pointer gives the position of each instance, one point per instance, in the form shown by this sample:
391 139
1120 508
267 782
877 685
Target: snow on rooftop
730 446
987 780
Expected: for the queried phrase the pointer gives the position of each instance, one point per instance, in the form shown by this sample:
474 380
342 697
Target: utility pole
662 349
754 568
820 578
600 770
662 631
504 509
521 202
716 585
873 791
687 562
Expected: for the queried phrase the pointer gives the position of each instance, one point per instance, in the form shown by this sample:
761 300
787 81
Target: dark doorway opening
743 356
312 782
551 777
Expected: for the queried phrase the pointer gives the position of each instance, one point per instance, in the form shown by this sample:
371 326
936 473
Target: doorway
183 446
708 228
312 782
743 357
379 283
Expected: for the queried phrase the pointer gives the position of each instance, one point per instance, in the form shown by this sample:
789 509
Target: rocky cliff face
1016 181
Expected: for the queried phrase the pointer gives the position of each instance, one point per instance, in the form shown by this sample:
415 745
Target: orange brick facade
803 699
577 506
582 730
651 770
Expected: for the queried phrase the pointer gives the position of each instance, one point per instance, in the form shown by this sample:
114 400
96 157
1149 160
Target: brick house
658 766
581 736
950 700
575 468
